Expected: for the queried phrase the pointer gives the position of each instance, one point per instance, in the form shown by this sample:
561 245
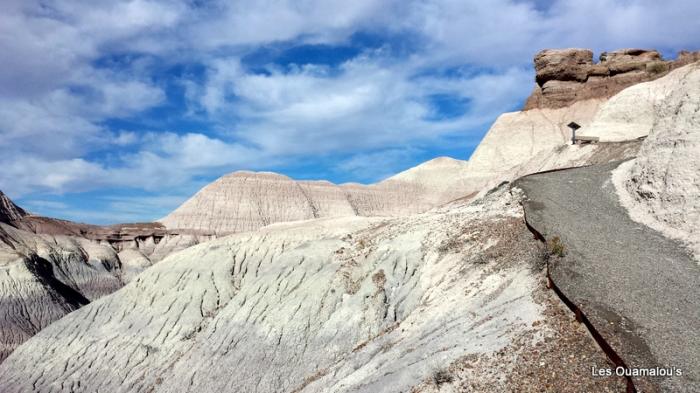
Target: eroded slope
661 187
335 305
51 267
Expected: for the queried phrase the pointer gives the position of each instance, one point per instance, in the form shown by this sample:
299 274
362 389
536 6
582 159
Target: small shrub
362 243
379 278
149 348
442 376
556 247
657 67
481 259
542 258
451 244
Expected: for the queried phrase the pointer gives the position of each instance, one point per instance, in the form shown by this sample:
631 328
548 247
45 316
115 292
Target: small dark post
574 127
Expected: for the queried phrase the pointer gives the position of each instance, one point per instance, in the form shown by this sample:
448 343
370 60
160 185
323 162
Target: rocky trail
638 288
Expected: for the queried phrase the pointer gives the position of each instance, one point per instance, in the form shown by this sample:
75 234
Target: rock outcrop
538 139
521 143
44 277
661 187
565 76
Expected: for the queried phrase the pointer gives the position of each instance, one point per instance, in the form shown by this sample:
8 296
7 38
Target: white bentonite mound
661 188
632 113
246 201
349 304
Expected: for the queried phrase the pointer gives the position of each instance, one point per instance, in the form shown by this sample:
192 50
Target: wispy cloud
159 96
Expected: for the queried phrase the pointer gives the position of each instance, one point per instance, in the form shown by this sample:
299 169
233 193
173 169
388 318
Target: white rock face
43 278
521 143
329 305
632 113
661 188
442 179
515 138
245 201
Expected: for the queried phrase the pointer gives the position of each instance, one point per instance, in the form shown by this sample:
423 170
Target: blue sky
117 111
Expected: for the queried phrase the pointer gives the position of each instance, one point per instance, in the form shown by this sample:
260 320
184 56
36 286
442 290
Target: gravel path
639 288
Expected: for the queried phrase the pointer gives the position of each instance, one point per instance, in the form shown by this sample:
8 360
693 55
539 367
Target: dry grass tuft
556 247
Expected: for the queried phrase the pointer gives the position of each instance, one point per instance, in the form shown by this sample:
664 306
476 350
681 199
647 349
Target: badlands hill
50 267
405 285
245 201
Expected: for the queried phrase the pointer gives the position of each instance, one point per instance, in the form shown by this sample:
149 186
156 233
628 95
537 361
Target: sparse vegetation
657 67
455 241
449 244
556 247
481 259
149 348
442 376
379 278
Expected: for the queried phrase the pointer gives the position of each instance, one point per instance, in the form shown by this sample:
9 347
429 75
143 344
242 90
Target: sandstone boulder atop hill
565 76
627 56
563 64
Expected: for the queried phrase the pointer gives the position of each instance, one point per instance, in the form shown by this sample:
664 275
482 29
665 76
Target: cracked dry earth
333 305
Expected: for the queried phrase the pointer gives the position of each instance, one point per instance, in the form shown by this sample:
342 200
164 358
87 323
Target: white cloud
250 22
367 103
70 67
125 138
112 209
165 160
25 174
377 165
